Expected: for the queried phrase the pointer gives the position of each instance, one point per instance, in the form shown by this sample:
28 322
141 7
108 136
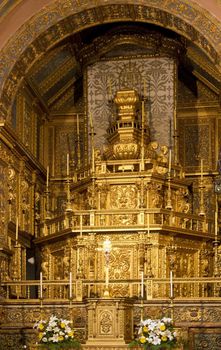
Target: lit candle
142 285
41 286
171 284
67 164
16 231
70 285
77 125
47 182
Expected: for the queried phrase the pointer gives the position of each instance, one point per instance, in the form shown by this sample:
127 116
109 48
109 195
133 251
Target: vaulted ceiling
56 78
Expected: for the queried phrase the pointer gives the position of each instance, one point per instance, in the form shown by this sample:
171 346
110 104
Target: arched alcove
58 20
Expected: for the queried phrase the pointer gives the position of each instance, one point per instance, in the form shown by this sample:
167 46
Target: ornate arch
61 19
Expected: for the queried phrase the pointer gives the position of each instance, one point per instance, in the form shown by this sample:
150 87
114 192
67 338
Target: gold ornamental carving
106 323
126 150
123 196
126 102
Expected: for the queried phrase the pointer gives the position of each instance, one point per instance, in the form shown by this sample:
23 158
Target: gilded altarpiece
12 255
153 78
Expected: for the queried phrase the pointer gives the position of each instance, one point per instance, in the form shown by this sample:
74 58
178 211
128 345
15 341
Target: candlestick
16 231
41 286
174 117
107 278
142 113
171 284
170 159
78 131
170 133
70 285
216 225
47 182
81 225
78 259
67 164
142 284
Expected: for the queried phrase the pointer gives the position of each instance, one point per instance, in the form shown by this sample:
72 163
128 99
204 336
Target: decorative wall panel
65 139
153 78
206 338
197 141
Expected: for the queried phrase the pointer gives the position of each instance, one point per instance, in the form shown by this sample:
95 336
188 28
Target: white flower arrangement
56 333
155 334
